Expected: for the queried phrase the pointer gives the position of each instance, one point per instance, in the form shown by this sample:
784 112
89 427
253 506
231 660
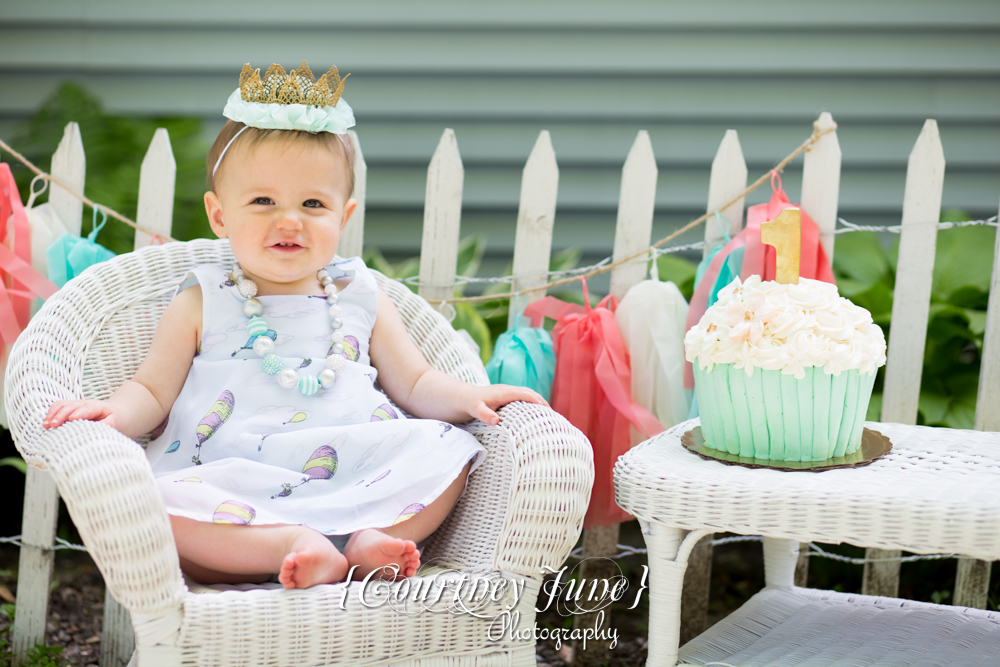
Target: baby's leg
223 553
374 548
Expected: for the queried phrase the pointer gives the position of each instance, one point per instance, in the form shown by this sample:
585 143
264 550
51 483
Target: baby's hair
253 137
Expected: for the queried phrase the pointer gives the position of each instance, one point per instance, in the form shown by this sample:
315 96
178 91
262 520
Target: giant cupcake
784 371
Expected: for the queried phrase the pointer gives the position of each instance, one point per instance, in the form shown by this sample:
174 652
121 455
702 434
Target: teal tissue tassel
69 255
523 357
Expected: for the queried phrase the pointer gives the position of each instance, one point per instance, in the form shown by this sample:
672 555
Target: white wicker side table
938 491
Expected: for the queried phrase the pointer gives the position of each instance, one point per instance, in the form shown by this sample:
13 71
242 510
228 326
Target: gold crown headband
292 101
297 87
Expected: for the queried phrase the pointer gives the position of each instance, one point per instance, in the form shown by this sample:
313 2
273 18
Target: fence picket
536 215
41 497
910 307
69 166
34 572
352 240
821 182
442 218
972 580
155 210
728 179
635 214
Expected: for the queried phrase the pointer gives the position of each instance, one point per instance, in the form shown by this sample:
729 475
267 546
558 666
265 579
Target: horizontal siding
738 15
593 74
612 53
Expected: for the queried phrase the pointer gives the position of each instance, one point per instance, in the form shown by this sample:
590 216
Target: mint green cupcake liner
771 415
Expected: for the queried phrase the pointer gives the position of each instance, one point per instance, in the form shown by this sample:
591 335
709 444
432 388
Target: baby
270 450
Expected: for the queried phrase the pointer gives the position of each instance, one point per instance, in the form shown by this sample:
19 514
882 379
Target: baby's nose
289 220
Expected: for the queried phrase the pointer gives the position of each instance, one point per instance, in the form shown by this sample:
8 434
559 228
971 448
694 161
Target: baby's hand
486 400
63 411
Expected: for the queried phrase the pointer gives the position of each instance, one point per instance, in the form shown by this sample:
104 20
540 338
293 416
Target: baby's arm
142 403
423 391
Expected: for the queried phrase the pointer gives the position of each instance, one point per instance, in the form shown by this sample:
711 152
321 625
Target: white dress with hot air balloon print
239 449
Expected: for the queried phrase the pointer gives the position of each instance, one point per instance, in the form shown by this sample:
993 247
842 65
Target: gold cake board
874 446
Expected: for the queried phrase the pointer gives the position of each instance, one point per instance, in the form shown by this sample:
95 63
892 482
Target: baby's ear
213 208
349 207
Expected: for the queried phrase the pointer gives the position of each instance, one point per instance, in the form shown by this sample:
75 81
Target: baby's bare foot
371 549
312 560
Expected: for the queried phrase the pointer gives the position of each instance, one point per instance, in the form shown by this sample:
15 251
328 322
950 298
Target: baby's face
283 207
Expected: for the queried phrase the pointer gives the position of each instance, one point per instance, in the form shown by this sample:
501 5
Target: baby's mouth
286 247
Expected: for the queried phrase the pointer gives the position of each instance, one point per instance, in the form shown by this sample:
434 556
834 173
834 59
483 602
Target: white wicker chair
523 509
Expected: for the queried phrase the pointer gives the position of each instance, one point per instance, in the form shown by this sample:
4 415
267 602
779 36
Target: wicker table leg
668 551
780 560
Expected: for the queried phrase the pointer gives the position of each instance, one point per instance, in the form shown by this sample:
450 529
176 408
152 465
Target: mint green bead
273 364
256 326
308 385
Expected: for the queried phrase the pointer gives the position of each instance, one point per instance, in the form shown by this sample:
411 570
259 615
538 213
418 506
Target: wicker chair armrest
531 495
111 495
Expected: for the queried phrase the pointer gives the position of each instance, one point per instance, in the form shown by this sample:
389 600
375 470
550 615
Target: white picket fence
535 220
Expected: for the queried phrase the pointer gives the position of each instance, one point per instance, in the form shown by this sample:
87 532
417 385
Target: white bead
252 307
236 268
330 289
263 346
288 378
247 288
336 363
325 281
335 311
326 377
338 348
322 273
332 298
337 336
336 323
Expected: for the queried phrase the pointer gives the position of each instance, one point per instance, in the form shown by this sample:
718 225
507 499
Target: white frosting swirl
789 328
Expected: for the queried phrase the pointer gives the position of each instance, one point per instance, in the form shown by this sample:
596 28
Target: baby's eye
263 200
312 203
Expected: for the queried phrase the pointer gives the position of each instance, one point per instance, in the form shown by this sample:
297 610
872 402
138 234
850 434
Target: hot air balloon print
213 421
447 427
305 362
235 512
262 439
384 412
377 478
352 348
296 418
270 333
187 479
174 446
322 464
408 512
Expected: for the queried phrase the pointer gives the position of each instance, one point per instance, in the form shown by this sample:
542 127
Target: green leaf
15 462
962 410
874 407
470 256
679 271
565 260
860 257
467 318
964 258
977 321
933 408
877 299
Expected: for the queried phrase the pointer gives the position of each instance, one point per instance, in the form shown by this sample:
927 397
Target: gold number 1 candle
784 233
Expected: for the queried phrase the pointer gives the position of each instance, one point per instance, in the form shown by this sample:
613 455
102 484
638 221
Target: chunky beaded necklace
263 346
